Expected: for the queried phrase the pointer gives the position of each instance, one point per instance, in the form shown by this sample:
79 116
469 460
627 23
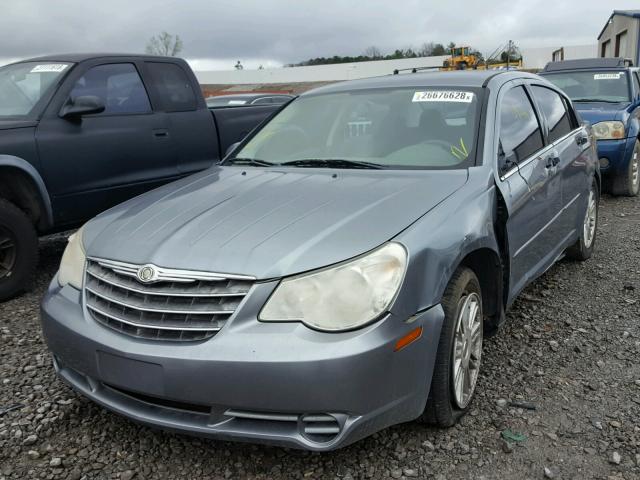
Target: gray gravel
559 396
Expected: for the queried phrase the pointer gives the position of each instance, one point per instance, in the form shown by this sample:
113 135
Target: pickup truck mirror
83 105
231 148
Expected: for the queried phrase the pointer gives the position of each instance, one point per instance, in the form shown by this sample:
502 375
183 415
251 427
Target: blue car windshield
23 85
593 86
382 128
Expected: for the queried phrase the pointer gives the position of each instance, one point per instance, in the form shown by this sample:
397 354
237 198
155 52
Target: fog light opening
604 162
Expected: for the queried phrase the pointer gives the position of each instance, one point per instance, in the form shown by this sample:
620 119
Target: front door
530 187
100 160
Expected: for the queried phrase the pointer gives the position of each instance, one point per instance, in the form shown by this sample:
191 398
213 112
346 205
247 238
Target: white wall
539 57
318 73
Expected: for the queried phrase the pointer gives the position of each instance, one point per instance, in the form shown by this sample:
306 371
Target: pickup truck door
176 93
97 161
530 187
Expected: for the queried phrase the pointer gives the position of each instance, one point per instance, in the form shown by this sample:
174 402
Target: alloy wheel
467 349
590 219
7 252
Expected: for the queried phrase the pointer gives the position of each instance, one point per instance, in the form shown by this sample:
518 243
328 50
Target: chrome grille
177 305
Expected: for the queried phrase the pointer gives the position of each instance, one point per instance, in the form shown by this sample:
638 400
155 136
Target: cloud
274 32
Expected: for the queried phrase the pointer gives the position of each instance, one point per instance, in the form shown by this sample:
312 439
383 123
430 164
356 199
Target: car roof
586 64
83 57
465 78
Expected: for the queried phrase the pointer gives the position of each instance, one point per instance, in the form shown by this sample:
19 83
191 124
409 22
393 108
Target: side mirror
231 148
83 105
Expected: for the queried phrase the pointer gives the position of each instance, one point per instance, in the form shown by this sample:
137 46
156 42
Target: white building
620 37
537 58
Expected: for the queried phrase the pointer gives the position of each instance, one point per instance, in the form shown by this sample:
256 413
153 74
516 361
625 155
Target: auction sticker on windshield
606 76
443 96
49 67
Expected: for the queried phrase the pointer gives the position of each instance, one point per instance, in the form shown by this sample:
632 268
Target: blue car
606 93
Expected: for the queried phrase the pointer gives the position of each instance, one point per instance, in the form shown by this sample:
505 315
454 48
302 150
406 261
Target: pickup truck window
593 86
520 133
554 110
118 85
173 86
389 128
23 85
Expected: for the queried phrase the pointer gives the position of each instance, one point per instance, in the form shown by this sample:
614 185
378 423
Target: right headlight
343 297
608 130
72 265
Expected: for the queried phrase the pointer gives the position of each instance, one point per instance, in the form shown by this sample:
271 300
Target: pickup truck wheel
628 184
18 250
459 352
583 248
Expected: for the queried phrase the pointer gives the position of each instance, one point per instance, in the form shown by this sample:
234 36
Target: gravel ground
570 350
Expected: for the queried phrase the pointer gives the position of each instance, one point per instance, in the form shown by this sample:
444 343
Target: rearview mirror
83 105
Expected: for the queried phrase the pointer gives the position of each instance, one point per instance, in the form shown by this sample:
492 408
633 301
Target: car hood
594 112
267 222
9 124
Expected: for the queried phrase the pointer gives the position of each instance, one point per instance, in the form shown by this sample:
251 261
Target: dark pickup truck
82 133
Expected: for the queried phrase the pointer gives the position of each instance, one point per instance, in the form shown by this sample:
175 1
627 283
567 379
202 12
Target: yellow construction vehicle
461 59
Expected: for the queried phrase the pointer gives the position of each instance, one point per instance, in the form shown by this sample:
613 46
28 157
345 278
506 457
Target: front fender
46 221
439 241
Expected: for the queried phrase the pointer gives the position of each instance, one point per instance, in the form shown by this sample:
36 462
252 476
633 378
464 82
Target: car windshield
23 85
593 86
382 128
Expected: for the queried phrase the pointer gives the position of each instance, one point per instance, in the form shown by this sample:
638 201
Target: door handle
581 139
552 160
161 133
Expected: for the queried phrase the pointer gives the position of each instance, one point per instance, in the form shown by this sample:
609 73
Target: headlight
342 297
608 130
72 265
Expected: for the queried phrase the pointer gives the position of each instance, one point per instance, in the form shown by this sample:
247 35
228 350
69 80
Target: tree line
428 49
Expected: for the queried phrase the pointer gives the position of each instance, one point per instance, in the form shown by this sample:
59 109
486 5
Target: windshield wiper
331 163
596 100
248 161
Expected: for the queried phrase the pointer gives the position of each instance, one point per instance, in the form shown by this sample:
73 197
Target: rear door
530 186
190 124
568 142
100 160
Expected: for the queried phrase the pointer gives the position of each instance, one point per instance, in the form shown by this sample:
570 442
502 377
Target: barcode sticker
606 76
443 96
49 67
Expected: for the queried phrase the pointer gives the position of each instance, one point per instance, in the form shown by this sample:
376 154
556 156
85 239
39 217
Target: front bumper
617 153
253 381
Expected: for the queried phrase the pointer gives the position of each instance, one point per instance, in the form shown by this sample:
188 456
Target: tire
584 246
628 184
18 250
444 407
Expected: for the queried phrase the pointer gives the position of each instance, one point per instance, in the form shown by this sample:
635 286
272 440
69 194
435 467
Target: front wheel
459 352
628 183
583 248
18 250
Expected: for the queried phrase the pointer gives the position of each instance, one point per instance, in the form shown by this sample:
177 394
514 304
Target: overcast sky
216 33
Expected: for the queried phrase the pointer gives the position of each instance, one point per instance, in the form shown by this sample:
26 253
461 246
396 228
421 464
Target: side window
636 83
520 134
554 110
173 86
118 85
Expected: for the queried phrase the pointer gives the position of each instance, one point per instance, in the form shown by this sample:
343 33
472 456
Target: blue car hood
267 222
594 112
